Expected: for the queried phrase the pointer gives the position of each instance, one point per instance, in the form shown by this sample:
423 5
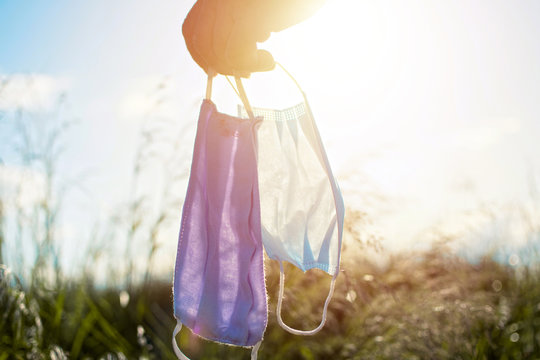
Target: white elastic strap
255 350
292 78
241 92
288 328
179 354
209 88
211 74
232 86
243 97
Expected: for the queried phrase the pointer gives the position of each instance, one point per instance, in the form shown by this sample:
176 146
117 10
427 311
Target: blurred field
429 305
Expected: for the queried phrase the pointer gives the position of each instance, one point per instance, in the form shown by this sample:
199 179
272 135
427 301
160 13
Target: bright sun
396 89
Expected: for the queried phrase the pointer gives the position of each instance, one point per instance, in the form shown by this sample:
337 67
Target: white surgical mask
302 209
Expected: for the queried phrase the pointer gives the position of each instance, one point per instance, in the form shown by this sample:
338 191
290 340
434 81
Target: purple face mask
219 286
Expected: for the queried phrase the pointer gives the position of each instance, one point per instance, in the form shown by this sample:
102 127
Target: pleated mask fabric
219 287
302 208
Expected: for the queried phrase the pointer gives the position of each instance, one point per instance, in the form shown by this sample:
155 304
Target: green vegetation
418 306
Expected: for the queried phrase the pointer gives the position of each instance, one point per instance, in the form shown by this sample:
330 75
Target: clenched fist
222 35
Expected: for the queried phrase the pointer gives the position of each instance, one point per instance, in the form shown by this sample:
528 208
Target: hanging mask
219 289
302 209
260 178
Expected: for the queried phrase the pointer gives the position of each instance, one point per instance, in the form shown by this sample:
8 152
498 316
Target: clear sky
428 109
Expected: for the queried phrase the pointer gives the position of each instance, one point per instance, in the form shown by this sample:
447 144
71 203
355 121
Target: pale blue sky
433 104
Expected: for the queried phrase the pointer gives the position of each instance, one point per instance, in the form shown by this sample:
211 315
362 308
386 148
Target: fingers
194 31
241 52
222 35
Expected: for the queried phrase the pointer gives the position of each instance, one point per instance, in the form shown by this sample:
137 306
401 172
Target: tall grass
418 306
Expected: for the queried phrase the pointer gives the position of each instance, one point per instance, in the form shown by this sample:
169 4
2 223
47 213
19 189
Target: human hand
222 35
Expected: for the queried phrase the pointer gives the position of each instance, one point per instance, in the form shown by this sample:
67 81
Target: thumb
261 60
264 61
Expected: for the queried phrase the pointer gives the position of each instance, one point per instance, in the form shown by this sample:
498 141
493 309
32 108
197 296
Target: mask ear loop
211 74
241 92
255 350
179 354
280 299
292 78
243 97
